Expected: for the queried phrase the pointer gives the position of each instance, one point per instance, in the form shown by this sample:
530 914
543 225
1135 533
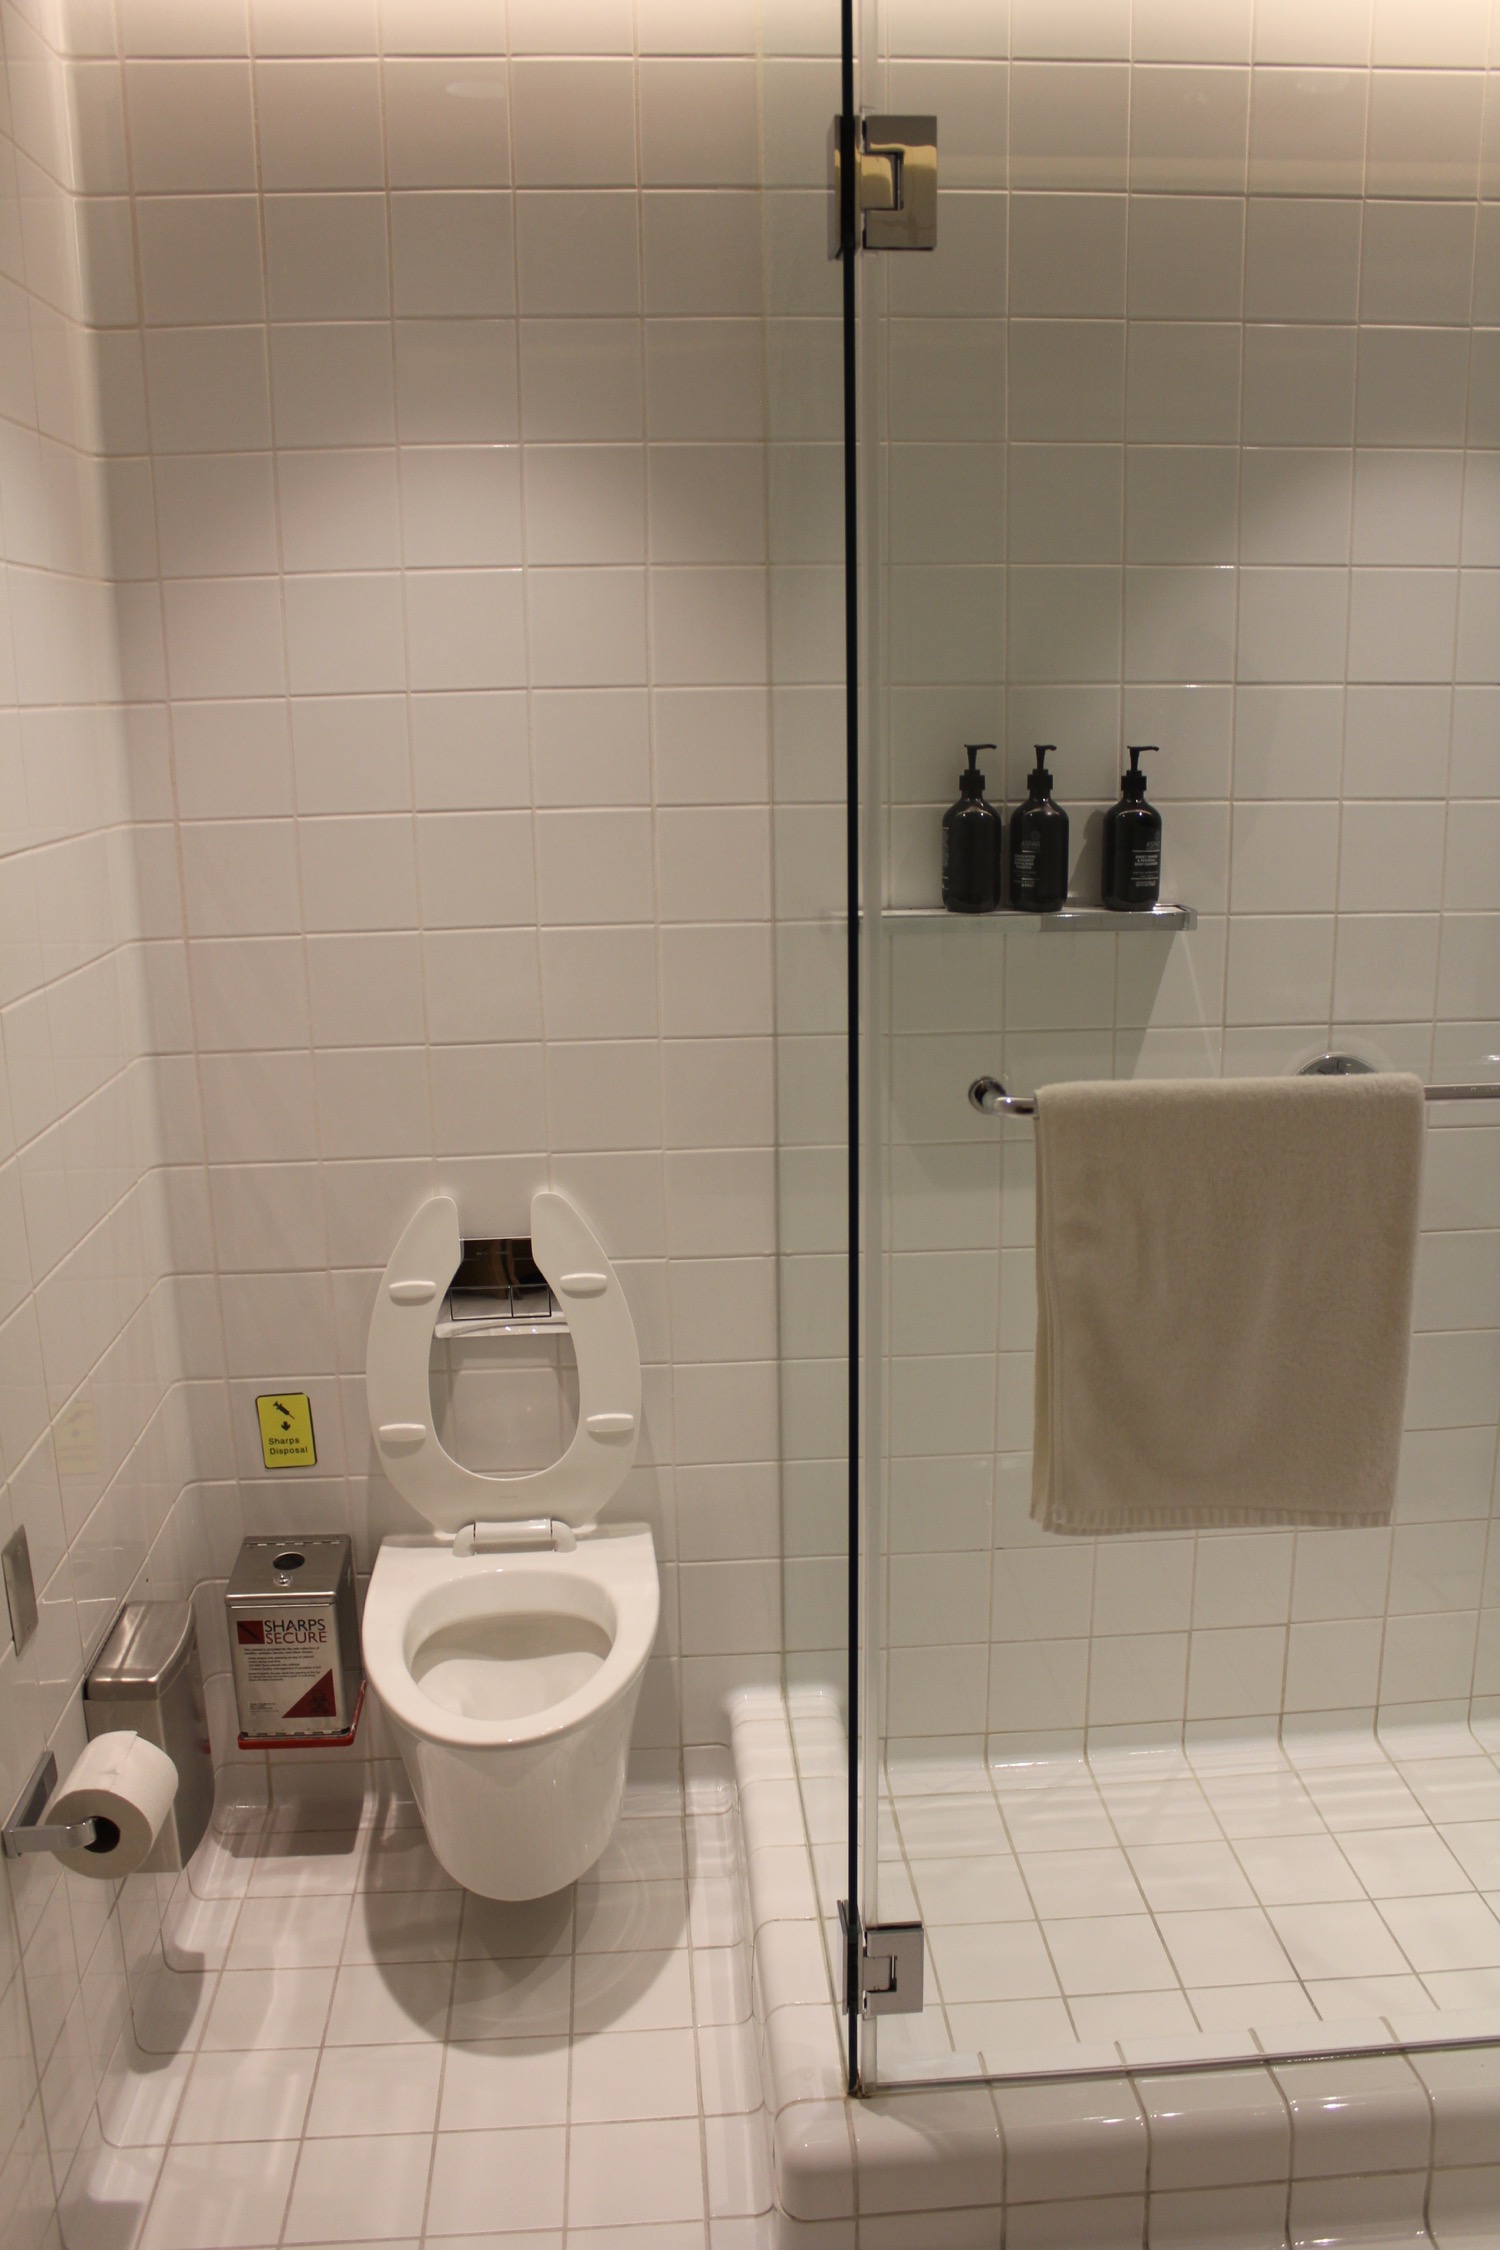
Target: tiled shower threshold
1163 2085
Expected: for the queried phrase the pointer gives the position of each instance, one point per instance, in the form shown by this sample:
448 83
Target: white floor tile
1067 1883
1165 1812
492 2083
1346 1940
1452 1932
635 2175
297 1863
221 2197
256 2008
170 2010
356 2190
1262 1804
1071 1821
1130 2015
400 1859
1403 1862
221 1866
404 1926
247 2097
634 2074
368 2089
940 1827
688 2234
1109 1953
140 2096
389 2005
477 2177
1009 2023
1464 1988
266 1936
973 1888
632 1991
496 1929
630 1917
643 1851
1190 1875
992 1961
1301 1870
1475 1844
500 1999
1236 2007
1224 1945
197 1932
1341 1999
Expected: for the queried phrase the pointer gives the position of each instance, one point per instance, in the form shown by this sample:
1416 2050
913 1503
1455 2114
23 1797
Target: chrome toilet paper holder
25 1831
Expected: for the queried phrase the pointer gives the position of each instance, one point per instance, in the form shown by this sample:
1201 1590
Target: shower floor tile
1242 1893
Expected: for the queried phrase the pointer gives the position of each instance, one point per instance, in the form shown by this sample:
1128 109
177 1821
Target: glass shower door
1186 435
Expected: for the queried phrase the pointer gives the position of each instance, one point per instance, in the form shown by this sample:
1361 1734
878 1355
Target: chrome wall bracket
20 1587
887 1959
895 185
24 1831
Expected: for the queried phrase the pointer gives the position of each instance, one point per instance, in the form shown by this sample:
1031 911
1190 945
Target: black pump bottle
1132 841
1039 844
971 844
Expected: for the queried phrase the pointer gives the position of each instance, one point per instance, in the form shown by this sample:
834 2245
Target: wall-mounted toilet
507 1645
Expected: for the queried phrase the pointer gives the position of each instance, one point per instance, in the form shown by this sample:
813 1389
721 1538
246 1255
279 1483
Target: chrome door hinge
883 1963
891 203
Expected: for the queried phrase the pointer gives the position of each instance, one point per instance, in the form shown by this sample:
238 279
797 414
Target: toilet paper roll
126 1781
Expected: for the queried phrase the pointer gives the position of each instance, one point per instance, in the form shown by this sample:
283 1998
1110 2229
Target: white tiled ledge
1371 2148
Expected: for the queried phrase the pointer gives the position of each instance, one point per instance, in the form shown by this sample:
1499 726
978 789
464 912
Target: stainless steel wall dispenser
294 1642
147 1678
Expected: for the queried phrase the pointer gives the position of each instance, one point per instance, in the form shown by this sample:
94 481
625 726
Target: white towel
1224 1292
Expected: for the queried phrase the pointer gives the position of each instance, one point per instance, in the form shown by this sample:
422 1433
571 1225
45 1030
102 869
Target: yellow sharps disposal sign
286 1431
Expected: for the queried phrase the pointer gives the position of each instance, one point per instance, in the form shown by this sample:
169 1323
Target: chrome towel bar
988 1095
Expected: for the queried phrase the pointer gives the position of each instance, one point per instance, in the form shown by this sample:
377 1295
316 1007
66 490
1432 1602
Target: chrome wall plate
20 1588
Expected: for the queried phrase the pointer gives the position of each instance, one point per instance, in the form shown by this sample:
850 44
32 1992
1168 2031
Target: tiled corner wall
406 369
1189 436
93 1446
435 392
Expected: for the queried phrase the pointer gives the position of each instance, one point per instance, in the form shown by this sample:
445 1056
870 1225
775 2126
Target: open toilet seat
398 1383
507 1646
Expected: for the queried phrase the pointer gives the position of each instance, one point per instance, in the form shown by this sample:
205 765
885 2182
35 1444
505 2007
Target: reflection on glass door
1184 435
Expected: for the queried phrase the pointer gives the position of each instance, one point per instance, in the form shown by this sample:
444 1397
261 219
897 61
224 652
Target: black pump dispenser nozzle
971 784
1039 781
1133 783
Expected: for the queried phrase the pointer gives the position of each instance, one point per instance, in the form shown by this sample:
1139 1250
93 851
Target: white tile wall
94 1449
1169 460
437 417
429 388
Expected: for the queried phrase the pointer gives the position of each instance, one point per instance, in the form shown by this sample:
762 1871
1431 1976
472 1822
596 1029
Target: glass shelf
1074 916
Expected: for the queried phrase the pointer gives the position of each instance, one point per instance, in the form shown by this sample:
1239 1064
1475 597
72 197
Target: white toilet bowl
507 1647
510 1682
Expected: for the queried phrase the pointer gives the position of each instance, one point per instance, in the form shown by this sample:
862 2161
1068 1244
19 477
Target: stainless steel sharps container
294 1641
